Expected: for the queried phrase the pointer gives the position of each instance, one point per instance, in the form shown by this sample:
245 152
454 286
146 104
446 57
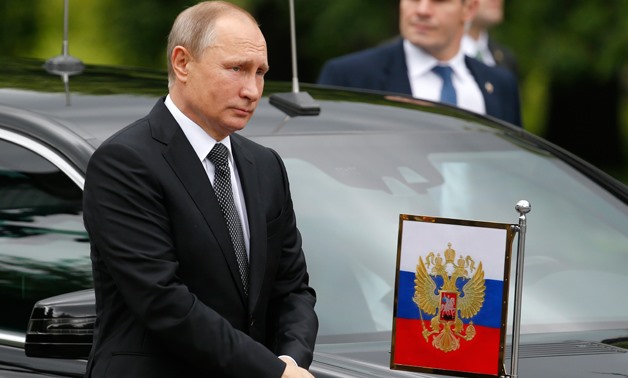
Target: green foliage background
559 43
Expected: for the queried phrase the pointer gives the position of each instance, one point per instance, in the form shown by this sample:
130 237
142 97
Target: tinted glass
350 189
44 249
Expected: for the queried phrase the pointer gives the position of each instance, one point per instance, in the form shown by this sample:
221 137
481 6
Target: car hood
576 354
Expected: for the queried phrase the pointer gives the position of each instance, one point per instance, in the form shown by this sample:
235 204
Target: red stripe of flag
479 355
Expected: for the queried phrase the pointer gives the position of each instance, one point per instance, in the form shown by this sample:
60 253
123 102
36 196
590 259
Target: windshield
349 190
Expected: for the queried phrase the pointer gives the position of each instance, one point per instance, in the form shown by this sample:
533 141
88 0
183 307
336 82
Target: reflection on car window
44 249
348 200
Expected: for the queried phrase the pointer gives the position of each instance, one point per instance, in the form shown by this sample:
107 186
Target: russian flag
480 352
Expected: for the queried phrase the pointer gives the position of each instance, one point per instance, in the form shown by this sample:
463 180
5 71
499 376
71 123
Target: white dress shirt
427 85
478 49
202 143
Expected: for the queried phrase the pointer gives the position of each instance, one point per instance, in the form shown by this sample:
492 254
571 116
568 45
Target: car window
44 250
350 189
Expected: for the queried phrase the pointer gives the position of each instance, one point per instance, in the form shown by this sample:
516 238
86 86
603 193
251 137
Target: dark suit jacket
503 56
383 68
169 298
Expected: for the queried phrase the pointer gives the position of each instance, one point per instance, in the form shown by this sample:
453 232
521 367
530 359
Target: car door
44 248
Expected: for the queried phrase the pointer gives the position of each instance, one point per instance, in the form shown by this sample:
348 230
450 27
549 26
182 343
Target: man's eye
236 69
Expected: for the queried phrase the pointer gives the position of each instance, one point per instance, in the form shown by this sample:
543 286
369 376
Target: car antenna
294 103
65 65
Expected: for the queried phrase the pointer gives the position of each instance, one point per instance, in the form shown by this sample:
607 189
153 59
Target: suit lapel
256 217
185 165
396 71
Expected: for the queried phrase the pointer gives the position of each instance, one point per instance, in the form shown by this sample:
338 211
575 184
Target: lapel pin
489 87
498 55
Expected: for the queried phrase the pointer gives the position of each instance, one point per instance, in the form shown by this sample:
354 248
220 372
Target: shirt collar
482 42
420 62
201 142
457 63
472 46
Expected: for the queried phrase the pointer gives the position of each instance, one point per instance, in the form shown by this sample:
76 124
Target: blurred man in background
477 43
428 63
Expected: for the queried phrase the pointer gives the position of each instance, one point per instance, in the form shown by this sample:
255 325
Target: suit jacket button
252 322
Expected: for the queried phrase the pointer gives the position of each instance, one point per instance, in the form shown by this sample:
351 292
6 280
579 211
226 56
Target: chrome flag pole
523 207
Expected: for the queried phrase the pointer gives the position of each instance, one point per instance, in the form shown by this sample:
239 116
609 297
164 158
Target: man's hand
293 371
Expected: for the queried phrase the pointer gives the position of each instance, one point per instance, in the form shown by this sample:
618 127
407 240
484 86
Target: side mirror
62 326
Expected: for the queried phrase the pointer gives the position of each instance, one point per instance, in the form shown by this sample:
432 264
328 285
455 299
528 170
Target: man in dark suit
477 43
431 33
197 260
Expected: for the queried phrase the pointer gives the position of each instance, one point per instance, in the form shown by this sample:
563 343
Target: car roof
101 100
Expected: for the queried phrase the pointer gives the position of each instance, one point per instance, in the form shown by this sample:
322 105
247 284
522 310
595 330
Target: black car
365 159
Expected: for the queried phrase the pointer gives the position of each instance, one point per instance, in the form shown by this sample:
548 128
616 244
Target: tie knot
218 155
443 71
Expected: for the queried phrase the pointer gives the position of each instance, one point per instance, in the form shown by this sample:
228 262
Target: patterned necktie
222 188
448 92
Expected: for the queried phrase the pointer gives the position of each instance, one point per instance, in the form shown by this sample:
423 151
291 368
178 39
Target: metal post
293 45
66 17
523 207
65 50
65 65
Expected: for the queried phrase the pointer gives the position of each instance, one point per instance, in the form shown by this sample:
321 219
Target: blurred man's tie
448 92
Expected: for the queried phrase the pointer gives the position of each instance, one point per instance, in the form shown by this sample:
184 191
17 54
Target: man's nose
423 6
251 88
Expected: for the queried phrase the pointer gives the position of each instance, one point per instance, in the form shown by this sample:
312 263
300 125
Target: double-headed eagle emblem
436 293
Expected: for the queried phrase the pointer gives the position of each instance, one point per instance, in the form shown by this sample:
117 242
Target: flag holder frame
419 238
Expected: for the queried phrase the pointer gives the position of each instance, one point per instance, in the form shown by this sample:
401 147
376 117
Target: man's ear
470 9
179 60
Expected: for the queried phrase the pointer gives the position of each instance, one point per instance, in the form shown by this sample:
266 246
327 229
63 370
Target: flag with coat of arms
451 296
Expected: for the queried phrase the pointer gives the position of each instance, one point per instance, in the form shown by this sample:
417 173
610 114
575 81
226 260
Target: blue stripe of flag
489 315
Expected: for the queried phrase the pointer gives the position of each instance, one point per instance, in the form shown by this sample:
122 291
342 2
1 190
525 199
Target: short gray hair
194 28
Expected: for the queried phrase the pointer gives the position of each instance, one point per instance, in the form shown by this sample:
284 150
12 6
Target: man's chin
237 125
421 40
